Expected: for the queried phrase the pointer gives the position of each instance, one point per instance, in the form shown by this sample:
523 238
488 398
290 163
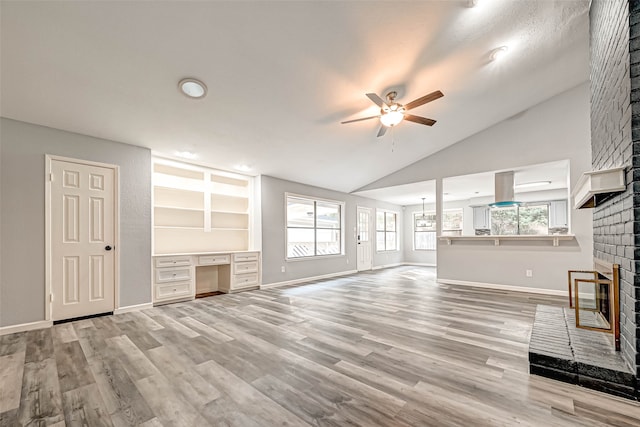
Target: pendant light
423 215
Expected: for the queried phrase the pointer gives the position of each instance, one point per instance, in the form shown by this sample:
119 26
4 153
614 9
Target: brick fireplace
558 349
615 141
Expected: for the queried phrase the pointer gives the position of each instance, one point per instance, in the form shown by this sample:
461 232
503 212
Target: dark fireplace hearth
561 351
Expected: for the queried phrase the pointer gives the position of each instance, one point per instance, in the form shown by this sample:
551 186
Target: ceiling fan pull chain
393 138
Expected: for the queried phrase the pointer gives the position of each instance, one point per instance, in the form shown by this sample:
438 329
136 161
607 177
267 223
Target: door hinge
51 177
51 297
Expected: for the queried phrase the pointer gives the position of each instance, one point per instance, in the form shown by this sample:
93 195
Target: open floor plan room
385 348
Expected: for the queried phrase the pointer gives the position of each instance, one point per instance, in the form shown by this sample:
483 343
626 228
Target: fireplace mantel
597 182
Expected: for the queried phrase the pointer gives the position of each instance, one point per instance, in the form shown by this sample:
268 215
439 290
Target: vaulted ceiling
283 75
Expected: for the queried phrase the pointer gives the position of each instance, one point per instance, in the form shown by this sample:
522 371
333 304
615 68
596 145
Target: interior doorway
82 219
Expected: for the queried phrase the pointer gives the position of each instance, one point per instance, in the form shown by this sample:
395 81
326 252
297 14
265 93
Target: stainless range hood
504 192
597 185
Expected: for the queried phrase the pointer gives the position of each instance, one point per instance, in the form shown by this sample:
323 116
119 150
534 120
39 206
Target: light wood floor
390 348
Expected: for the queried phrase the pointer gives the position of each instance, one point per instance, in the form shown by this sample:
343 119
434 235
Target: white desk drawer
245 267
173 261
164 275
172 290
214 259
244 280
248 256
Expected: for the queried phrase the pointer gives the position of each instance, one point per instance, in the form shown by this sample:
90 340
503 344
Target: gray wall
273 233
556 129
615 141
22 219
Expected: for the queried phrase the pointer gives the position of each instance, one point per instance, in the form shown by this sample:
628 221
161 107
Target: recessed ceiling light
192 88
186 155
499 52
532 184
242 168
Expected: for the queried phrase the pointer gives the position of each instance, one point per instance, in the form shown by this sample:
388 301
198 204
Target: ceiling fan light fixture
391 118
193 88
499 52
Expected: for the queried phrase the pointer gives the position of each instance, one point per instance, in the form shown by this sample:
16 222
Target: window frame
546 203
385 231
443 231
315 229
415 231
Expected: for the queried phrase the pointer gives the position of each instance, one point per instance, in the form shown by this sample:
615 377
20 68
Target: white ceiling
471 186
282 75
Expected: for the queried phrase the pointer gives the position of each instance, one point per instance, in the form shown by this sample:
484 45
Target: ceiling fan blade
382 131
376 99
423 100
359 120
418 119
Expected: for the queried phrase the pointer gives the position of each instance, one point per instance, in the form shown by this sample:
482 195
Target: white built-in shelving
198 209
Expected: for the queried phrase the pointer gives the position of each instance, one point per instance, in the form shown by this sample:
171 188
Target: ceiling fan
392 113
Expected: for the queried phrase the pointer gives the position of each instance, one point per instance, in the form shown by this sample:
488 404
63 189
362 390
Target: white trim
130 308
505 287
307 279
343 226
419 264
23 327
398 230
49 158
380 267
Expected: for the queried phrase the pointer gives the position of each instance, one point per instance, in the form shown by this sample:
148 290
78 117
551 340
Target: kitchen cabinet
558 214
481 218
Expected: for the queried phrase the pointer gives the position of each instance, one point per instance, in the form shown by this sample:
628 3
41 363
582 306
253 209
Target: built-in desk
178 277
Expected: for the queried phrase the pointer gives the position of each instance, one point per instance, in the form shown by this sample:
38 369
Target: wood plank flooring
387 348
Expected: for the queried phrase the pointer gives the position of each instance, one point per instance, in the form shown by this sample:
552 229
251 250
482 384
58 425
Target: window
424 231
504 221
386 231
314 227
452 222
533 219
527 219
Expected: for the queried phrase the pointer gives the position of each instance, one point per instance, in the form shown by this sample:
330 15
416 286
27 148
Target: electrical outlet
528 273
282 269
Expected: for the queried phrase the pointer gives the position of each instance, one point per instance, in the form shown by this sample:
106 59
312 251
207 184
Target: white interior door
363 238
82 209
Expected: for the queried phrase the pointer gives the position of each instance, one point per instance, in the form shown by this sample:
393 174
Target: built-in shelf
177 208
553 238
198 209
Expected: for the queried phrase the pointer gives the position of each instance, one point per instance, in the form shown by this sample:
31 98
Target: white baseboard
307 279
23 327
131 308
380 267
505 287
419 264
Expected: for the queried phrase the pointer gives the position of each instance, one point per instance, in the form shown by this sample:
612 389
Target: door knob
108 248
